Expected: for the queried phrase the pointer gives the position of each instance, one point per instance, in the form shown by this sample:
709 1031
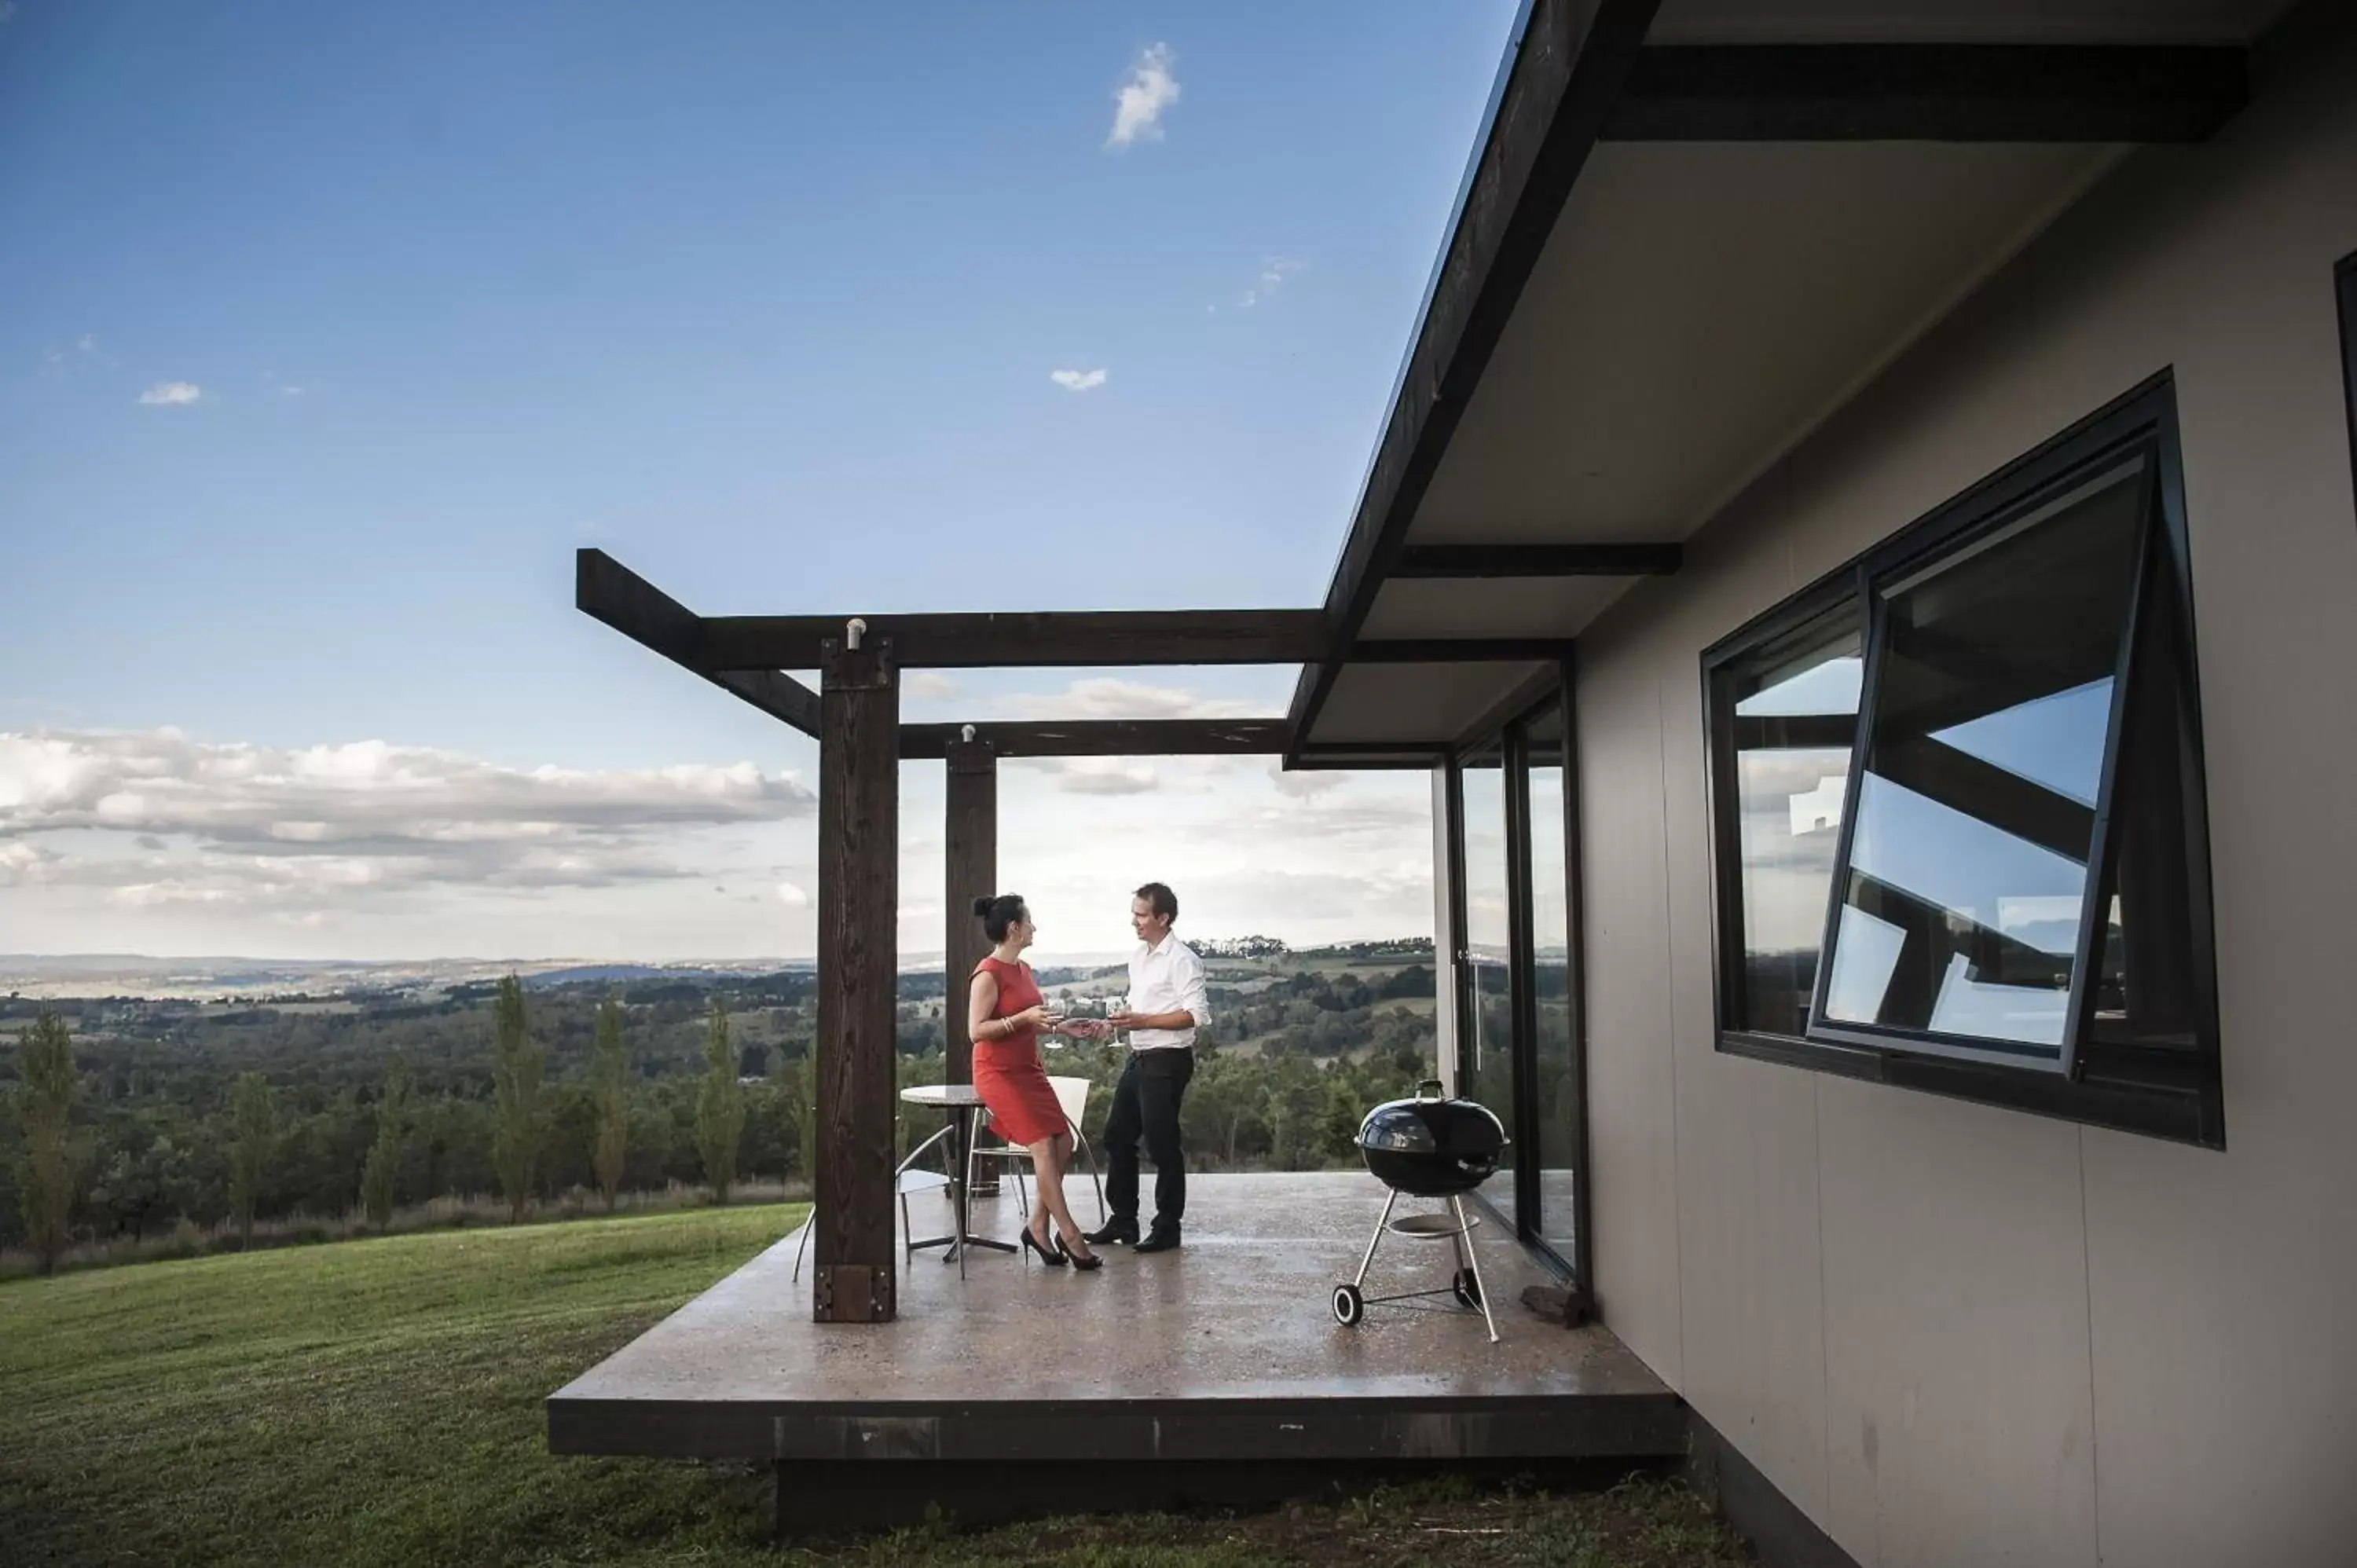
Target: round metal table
963 1106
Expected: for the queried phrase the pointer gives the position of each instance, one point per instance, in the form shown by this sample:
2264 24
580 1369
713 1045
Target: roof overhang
1693 231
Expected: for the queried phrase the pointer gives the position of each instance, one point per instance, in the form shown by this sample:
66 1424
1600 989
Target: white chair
906 1179
1072 1099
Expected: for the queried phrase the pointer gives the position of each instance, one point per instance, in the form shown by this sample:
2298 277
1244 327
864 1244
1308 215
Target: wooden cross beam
1029 639
604 588
1103 737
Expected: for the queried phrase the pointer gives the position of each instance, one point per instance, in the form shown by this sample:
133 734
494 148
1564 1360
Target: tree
254 1118
719 1107
516 1081
44 1105
610 1094
384 1155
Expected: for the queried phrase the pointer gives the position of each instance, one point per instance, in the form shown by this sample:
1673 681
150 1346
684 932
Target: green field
379 1402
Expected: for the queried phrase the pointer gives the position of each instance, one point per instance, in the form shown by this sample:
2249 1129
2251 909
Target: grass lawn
379 1403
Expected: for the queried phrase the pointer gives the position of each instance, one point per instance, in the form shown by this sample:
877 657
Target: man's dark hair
1159 899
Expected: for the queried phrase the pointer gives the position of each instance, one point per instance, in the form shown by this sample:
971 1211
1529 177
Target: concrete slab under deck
1222 1355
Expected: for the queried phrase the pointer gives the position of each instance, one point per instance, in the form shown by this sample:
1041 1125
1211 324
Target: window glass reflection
1486 1035
1963 897
1556 1076
1795 708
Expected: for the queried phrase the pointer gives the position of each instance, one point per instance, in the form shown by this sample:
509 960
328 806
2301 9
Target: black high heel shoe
1094 1261
1055 1259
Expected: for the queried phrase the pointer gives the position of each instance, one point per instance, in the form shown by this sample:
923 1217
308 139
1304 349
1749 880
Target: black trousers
1147 1102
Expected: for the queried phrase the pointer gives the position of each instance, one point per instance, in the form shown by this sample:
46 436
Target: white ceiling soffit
1412 703
1964 21
1489 607
1700 307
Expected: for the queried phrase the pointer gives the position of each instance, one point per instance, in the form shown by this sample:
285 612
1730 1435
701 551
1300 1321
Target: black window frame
2172 1095
2344 287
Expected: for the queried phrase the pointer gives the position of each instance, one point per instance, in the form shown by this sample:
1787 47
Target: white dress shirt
1166 979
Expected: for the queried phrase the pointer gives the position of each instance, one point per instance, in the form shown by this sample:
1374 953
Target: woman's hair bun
981 906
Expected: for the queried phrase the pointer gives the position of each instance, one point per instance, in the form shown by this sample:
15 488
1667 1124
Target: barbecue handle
1439 1089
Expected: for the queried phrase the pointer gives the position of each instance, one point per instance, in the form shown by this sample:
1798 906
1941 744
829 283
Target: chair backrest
1072 1095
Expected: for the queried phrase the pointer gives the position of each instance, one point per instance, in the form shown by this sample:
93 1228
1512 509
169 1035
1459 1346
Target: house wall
1954 1334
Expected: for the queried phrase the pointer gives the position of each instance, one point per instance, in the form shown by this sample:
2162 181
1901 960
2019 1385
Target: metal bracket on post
853 630
853 1293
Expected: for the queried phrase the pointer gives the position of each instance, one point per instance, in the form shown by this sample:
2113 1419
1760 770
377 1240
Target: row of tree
61 1166
145 1131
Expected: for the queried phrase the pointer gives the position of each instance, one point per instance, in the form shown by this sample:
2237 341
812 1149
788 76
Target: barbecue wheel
1467 1289
1348 1304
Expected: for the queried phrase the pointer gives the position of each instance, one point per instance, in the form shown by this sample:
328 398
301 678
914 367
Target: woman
1004 1017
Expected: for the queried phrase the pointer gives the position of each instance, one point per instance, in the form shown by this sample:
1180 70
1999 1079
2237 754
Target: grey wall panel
1959 1413
1632 1117
2011 1307
1751 1274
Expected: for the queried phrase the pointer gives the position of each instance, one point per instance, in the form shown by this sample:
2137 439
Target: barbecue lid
1432 1123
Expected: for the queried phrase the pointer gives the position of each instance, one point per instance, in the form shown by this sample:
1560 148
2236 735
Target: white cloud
1077 381
1139 102
791 897
1272 274
82 353
1106 697
928 683
290 392
1098 775
182 821
169 393
1302 786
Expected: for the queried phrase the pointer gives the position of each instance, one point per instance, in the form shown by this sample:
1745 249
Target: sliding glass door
1556 1118
1518 1045
1485 1041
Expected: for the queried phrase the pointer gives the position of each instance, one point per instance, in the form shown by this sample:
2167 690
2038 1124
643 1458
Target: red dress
1006 1072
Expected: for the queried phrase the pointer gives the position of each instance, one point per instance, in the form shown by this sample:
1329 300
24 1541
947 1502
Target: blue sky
765 301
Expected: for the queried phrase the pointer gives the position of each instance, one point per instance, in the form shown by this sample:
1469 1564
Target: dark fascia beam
1105 737
1537 560
1456 650
1930 92
606 589
1566 69
1028 639
1367 756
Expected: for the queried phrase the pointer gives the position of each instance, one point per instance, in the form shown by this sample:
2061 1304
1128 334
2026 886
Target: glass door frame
1506 735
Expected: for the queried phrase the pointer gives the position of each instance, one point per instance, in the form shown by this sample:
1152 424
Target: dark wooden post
858 913
970 861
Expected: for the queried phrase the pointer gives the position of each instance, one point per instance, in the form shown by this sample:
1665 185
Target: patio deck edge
1309 1427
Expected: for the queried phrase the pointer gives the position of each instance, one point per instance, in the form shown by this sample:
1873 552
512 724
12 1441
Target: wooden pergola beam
1929 92
1028 639
1103 737
610 592
1538 561
969 871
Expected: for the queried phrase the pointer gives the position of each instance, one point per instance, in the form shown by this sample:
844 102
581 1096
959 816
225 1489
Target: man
1166 1007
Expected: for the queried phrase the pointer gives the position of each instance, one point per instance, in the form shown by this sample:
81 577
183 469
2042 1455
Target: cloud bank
154 816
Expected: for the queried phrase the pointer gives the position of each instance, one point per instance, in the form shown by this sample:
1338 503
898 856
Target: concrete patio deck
1158 1373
